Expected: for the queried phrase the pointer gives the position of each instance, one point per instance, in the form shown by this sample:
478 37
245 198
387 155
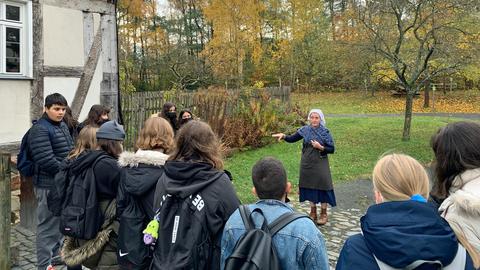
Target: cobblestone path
353 199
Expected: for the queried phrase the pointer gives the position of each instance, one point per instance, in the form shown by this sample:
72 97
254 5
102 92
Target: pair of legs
49 237
323 219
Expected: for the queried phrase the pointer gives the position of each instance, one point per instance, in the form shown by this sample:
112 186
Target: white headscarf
320 113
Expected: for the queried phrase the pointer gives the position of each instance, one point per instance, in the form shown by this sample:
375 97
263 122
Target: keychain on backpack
150 234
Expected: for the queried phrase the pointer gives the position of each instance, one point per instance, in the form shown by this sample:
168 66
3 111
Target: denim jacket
301 237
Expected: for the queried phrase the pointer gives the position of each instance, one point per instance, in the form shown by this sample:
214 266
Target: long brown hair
156 133
111 147
86 140
95 114
457 149
196 141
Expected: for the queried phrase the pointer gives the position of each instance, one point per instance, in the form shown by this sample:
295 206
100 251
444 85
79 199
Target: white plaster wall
68 86
63 36
14 110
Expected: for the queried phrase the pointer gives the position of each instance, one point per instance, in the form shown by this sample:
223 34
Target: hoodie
398 234
212 199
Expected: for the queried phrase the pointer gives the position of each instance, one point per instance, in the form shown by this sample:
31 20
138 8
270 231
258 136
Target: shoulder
303 229
356 253
105 161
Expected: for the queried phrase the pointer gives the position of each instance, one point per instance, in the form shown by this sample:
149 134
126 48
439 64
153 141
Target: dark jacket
140 173
213 200
398 234
107 173
100 252
48 151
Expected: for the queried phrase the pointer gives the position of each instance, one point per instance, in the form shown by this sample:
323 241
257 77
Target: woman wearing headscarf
315 181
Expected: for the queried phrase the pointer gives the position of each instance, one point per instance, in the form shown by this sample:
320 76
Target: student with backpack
67 176
402 231
269 234
88 215
45 146
140 173
194 198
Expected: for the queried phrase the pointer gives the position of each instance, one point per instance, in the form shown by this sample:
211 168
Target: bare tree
408 34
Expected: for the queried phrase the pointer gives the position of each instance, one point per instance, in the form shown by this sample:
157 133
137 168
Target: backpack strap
245 214
283 221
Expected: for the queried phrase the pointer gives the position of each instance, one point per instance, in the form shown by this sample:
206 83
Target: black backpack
184 242
25 164
255 249
80 215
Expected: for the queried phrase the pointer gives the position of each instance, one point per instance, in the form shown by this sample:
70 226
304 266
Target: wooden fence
211 106
5 208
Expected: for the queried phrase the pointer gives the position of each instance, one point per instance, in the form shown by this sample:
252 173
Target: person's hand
317 145
279 136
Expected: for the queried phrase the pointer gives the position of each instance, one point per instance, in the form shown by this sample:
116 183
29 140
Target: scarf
319 134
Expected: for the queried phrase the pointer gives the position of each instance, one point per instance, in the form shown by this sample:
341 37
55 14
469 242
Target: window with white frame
15 38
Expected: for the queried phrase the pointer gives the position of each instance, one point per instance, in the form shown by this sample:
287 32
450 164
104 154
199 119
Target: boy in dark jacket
49 143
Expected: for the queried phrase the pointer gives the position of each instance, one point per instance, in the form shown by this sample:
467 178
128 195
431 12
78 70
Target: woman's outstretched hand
279 136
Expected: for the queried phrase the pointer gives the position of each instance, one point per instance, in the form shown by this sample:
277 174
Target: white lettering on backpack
198 202
175 229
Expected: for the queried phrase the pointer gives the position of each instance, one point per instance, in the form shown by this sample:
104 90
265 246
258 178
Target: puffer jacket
48 151
462 208
140 173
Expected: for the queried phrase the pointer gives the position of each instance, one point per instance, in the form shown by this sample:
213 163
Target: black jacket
140 173
48 152
211 198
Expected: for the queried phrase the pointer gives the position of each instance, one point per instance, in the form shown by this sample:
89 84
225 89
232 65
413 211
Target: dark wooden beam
61 71
87 75
36 91
94 6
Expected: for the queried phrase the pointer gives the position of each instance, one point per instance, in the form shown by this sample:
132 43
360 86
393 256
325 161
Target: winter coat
100 252
398 234
210 188
140 173
462 208
48 151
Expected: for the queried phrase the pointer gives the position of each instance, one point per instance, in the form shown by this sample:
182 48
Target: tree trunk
408 115
426 100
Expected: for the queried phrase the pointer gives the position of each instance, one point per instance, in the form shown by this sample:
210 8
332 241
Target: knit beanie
111 130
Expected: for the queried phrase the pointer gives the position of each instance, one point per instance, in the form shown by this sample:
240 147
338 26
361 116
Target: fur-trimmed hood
465 192
148 157
87 252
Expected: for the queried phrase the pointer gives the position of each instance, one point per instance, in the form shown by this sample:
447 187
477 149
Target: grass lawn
383 102
359 143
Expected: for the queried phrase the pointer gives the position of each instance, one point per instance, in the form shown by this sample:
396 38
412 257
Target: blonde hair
397 177
157 133
86 140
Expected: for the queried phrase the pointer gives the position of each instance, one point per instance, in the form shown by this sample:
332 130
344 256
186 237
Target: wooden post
5 208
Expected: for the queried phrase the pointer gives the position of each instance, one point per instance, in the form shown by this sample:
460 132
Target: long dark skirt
318 196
